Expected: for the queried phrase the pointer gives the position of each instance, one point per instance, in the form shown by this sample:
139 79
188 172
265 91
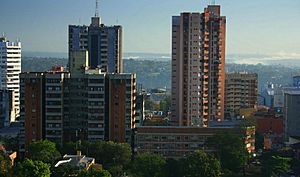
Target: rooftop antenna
213 2
97 9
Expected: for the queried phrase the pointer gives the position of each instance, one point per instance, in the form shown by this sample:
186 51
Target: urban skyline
89 117
254 27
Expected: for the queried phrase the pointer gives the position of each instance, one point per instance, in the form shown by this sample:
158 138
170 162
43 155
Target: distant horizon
278 56
253 27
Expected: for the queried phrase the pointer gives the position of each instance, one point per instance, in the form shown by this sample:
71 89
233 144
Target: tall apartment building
10 68
89 106
198 61
104 44
241 92
121 101
41 114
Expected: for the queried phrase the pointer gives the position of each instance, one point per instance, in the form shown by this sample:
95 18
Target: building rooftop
295 91
76 160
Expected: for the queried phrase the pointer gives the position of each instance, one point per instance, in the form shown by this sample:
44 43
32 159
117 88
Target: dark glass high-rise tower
104 44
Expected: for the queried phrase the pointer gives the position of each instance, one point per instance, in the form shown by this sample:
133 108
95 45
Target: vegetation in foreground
229 160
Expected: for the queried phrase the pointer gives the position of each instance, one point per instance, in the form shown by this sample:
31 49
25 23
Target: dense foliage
31 168
44 151
148 165
200 164
231 151
275 163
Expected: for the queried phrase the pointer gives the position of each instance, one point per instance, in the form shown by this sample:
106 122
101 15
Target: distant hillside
40 64
157 73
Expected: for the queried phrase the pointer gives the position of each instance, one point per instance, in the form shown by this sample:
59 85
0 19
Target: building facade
10 68
296 81
121 106
198 61
241 92
104 45
291 113
5 107
63 107
177 142
41 114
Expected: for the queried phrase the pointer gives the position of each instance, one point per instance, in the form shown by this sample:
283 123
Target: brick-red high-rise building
198 67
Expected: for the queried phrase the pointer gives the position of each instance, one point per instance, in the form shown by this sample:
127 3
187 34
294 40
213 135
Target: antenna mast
97 9
213 2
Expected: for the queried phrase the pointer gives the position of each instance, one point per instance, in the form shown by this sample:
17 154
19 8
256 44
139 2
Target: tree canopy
230 149
148 165
44 151
30 168
200 164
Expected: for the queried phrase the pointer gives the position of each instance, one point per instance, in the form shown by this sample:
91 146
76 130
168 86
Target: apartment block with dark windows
89 106
41 103
104 45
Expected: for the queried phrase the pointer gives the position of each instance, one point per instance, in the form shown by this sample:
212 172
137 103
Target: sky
264 27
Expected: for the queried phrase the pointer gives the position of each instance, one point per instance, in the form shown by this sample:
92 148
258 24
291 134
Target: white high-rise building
10 68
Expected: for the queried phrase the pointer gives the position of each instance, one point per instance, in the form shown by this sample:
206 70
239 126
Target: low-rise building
76 161
271 127
179 141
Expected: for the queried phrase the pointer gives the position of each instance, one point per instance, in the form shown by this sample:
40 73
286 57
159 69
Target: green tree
148 165
64 171
149 105
174 167
200 164
165 104
44 151
274 164
113 156
30 168
231 151
94 173
68 148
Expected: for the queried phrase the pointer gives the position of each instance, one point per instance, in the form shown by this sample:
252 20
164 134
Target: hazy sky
253 26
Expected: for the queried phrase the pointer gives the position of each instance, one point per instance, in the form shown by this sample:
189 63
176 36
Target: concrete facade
5 107
198 61
63 107
104 45
241 92
10 68
292 113
177 142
